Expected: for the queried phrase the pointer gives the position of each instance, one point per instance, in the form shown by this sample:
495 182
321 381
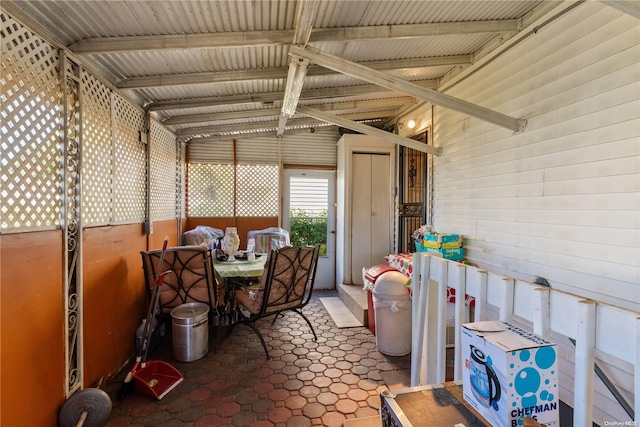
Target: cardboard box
428 405
456 254
442 241
509 374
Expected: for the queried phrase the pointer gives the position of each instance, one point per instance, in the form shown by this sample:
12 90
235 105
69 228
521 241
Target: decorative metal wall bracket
70 218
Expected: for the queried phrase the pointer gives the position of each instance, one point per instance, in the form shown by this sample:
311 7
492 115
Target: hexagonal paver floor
305 383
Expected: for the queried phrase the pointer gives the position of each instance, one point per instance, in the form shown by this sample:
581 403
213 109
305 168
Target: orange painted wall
32 328
160 230
32 314
114 297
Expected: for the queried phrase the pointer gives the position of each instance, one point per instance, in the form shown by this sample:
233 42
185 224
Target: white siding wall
562 199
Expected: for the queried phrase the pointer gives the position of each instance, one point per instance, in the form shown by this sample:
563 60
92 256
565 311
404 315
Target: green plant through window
309 228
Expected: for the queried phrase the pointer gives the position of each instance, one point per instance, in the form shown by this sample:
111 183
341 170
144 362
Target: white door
309 215
370 212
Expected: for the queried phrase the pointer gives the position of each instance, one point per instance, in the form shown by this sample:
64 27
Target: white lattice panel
97 152
30 161
210 190
257 190
163 173
130 163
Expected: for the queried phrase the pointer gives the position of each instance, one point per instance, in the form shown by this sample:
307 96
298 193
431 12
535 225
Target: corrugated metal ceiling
153 74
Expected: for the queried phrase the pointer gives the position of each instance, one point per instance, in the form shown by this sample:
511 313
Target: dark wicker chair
287 284
191 279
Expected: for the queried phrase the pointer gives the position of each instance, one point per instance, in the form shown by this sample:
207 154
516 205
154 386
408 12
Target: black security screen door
413 193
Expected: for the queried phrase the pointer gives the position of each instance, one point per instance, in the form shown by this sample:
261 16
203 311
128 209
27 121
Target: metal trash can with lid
392 304
190 331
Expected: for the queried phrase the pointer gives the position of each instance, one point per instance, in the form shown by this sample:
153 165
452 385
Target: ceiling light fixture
409 124
295 79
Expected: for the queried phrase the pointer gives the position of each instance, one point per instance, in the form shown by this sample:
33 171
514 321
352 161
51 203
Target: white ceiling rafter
280 73
325 93
102 45
229 65
265 112
369 130
259 132
247 127
385 80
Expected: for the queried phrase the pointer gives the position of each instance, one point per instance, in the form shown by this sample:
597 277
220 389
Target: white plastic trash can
190 331
393 314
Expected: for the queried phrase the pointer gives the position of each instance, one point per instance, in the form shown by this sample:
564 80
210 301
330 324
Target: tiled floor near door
305 383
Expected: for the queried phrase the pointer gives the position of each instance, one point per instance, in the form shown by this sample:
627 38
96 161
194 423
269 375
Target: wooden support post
479 278
584 364
506 302
542 313
430 349
457 281
419 281
442 321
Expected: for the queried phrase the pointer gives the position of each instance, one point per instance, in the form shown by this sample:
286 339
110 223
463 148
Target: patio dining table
235 274
240 268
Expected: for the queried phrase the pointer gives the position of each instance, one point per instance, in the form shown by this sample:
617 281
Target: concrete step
340 313
355 299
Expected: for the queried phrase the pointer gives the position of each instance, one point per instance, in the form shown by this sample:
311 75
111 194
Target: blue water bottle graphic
484 381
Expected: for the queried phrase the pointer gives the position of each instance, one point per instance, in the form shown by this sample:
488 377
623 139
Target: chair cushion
191 287
190 277
244 298
286 282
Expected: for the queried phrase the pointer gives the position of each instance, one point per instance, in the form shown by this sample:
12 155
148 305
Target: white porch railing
596 327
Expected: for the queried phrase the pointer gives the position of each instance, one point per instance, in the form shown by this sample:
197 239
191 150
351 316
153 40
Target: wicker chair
191 279
286 284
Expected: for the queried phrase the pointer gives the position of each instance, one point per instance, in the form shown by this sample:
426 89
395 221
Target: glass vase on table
231 242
